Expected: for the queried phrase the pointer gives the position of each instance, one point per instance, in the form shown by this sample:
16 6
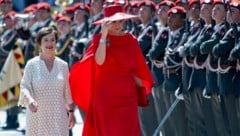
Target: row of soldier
192 52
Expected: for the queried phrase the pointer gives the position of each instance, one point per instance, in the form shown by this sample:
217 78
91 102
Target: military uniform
8 41
63 47
187 66
211 90
226 72
235 56
78 47
197 81
156 55
147 32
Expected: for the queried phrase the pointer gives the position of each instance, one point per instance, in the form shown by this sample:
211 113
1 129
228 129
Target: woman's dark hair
45 31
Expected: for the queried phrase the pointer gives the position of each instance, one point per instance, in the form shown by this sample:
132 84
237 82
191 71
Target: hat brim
116 17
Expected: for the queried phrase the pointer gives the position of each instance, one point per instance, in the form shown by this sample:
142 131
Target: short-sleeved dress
50 89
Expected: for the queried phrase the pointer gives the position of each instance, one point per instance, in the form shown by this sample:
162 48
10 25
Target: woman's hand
71 120
105 27
33 106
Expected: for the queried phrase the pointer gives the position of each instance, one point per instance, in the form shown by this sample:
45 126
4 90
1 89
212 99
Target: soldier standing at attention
197 81
212 108
148 118
80 31
65 40
8 41
95 14
194 28
156 55
227 69
172 70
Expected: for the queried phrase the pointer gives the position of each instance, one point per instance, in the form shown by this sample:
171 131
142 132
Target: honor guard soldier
69 12
65 40
8 41
235 56
132 25
44 19
211 92
197 80
227 69
26 42
172 70
95 14
156 55
80 32
192 31
148 118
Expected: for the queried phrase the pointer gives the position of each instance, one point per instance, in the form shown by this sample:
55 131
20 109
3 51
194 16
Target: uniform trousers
230 114
177 119
148 118
159 105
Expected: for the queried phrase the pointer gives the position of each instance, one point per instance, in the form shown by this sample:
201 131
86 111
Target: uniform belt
169 71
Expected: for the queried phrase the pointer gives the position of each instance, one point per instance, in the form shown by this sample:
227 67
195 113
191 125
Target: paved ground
77 130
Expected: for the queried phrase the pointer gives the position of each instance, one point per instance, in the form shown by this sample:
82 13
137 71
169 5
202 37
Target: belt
169 71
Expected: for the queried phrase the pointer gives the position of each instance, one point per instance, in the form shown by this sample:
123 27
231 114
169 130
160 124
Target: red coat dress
107 93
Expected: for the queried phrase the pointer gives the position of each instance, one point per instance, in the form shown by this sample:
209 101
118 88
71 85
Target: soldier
69 12
197 81
148 118
156 55
132 25
95 14
172 70
227 69
194 28
211 92
80 32
65 40
8 41
44 19
27 43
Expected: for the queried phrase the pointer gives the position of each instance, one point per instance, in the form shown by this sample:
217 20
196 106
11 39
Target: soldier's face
44 14
63 27
145 13
96 5
162 13
195 11
234 16
79 16
218 12
206 11
48 44
175 21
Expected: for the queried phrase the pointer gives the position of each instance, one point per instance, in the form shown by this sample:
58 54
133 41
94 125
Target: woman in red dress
104 83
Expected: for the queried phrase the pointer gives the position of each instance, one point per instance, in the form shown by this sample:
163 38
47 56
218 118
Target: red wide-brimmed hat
114 13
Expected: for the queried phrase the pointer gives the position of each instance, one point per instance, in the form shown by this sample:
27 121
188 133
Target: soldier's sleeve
225 45
159 46
235 53
195 49
207 46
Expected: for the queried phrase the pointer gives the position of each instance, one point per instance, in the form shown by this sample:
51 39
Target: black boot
11 123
